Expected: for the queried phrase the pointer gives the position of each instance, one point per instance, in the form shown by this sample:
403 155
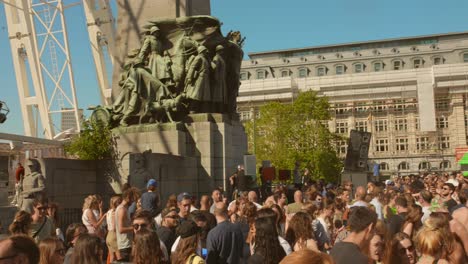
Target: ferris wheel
41 59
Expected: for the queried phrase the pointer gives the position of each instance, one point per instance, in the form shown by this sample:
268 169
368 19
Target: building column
457 122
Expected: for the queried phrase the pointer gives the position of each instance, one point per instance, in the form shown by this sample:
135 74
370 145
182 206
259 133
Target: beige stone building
411 93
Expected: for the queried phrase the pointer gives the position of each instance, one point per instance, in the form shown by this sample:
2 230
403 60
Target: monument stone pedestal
194 156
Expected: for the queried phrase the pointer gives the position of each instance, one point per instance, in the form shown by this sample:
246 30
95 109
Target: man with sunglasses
42 227
144 220
170 220
447 191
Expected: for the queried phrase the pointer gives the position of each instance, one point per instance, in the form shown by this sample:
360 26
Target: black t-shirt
167 236
224 244
347 253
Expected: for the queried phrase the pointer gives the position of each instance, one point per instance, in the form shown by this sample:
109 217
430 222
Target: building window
437 61
380 125
358 67
401 144
442 122
361 126
339 69
360 107
381 145
425 165
341 109
401 124
244 76
422 143
285 73
303 72
417 63
416 123
244 115
397 65
261 75
379 106
341 127
378 66
445 165
321 71
341 147
465 57
384 166
442 105
403 166
444 142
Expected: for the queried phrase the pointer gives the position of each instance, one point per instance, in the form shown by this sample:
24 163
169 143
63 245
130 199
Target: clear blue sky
268 25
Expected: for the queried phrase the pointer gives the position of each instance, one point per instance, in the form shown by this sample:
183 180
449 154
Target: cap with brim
152 182
182 196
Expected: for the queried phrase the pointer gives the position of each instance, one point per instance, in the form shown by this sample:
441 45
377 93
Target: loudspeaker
358 150
250 165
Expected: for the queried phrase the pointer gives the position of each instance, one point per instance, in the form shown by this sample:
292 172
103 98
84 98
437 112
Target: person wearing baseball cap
167 230
150 199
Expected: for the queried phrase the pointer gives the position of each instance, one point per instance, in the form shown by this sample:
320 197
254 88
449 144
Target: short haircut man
361 224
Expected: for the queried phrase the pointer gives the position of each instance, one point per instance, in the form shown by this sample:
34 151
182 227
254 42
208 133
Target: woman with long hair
21 223
188 246
448 247
52 251
92 216
88 250
413 220
401 250
146 248
266 246
71 236
377 245
322 227
299 233
307 256
111 238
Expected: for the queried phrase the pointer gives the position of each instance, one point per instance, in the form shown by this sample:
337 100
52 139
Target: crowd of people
405 220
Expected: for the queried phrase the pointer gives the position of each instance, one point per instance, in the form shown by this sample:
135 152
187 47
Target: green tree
290 133
95 142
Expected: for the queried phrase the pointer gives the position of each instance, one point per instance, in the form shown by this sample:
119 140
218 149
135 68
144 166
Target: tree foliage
290 133
95 142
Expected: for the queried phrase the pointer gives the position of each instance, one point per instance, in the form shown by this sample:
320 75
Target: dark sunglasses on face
138 226
403 250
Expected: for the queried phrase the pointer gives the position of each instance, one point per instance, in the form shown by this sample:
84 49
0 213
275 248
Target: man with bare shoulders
123 224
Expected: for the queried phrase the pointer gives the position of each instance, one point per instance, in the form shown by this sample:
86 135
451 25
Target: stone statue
218 80
198 78
32 184
185 65
139 176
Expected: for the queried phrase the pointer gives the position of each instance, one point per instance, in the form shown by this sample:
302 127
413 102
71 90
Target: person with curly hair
21 223
52 251
266 247
186 251
146 248
299 233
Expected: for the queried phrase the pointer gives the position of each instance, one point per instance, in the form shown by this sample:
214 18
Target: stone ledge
149 128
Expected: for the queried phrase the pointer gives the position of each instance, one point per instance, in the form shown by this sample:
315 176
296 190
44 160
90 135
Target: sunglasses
138 226
403 250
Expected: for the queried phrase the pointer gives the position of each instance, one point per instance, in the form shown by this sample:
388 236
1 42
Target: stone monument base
193 156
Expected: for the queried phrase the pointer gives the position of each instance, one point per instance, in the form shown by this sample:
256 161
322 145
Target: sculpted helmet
219 48
201 49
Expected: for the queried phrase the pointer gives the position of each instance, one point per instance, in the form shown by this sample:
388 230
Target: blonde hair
435 238
115 201
89 201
